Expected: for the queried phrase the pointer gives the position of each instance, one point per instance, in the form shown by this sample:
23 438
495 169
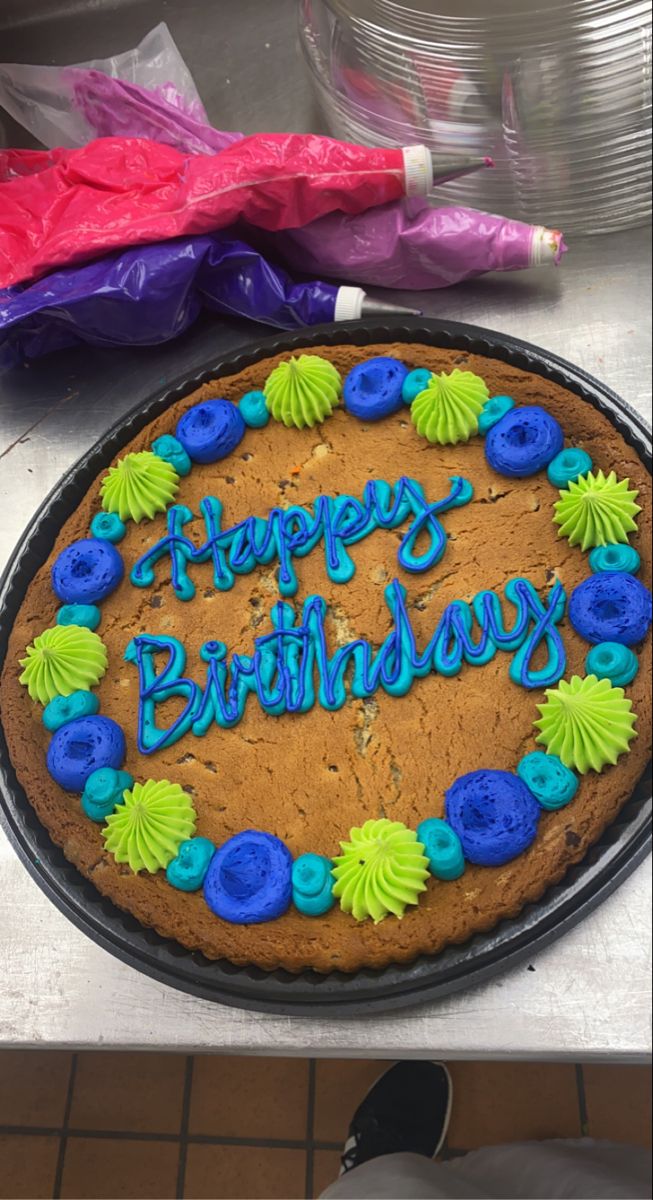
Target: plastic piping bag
150 294
117 192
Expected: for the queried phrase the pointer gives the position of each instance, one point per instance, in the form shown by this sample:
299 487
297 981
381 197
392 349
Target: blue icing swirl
211 430
611 607
281 671
170 449
249 879
373 389
567 466
619 557
493 410
523 442
108 526
80 747
550 781
254 410
187 871
611 660
87 571
494 814
414 383
86 615
442 847
312 884
103 790
63 709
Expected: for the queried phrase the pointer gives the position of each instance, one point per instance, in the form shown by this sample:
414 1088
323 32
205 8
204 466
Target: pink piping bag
116 192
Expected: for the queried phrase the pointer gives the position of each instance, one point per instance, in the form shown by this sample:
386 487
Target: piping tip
453 166
375 308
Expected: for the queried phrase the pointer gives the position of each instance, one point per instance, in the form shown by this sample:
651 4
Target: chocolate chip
156 601
571 838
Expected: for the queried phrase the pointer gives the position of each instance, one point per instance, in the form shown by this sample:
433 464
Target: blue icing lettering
282 669
286 534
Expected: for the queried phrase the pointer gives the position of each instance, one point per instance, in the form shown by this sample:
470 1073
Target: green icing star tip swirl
447 411
587 722
63 660
147 829
303 391
596 510
381 870
140 485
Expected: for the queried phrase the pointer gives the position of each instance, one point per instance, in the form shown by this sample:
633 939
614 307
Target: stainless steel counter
588 994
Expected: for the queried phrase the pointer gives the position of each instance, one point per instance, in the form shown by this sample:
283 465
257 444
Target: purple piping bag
149 294
410 245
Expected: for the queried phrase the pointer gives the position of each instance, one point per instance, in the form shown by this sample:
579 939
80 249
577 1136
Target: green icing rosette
63 660
586 722
147 829
596 510
381 870
303 391
448 409
140 485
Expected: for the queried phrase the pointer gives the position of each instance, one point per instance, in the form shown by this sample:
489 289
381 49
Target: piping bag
150 294
65 206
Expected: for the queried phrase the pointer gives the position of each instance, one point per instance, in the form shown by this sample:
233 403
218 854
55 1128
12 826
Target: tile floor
163 1125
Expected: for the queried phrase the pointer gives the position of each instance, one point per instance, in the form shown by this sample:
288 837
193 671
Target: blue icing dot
104 790
567 466
611 607
615 558
442 847
80 747
523 442
86 615
372 389
249 879
188 870
414 383
494 814
493 410
611 660
170 449
312 884
254 410
550 781
63 709
108 526
87 571
210 430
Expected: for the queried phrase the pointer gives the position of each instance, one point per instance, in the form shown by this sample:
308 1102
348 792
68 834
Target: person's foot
408 1108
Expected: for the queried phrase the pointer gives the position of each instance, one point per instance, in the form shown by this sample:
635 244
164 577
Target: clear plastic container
560 96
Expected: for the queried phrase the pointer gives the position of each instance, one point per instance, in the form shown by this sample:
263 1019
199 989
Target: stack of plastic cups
560 95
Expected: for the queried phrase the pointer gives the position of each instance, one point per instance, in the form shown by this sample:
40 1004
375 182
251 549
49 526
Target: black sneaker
408 1108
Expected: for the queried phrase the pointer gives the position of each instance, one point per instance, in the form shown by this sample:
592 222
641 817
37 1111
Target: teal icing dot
108 527
64 709
254 410
611 660
550 781
103 791
188 870
493 410
442 847
170 449
86 615
312 884
414 383
616 557
567 466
